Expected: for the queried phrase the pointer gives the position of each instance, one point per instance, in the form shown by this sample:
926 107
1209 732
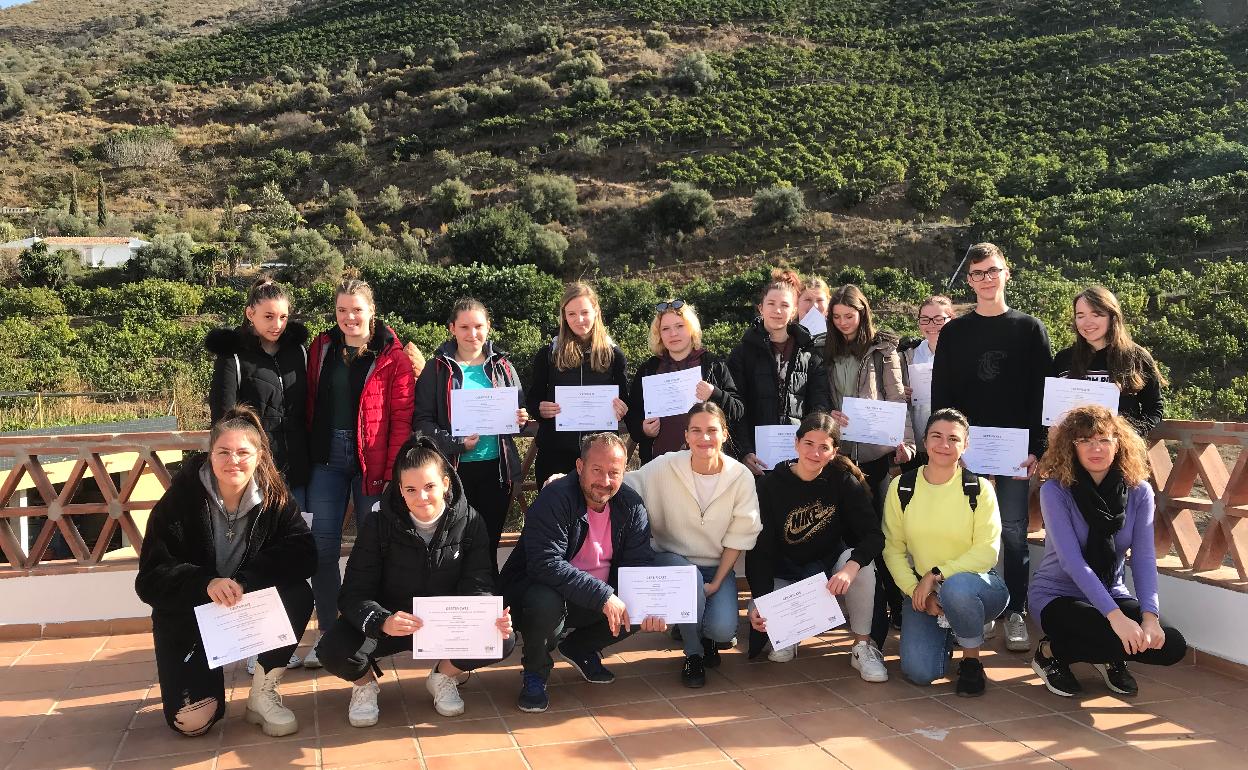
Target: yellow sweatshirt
938 529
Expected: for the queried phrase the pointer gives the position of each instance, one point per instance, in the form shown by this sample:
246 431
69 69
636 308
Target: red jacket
387 401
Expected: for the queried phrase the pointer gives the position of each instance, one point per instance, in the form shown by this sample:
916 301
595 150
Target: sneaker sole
270 729
1040 673
450 712
584 676
313 664
533 709
1104 672
363 722
979 694
875 679
1018 645
693 685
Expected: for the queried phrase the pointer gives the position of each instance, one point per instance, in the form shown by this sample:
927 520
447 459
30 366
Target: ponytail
243 418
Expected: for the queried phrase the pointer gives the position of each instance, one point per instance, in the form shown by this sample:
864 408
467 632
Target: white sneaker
1016 638
869 661
783 654
990 629
364 711
311 660
294 662
264 705
446 699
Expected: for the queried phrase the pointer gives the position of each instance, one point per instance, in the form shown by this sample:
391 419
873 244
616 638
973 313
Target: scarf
1104 509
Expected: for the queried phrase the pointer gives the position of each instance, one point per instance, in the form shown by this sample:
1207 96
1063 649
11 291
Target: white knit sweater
679 525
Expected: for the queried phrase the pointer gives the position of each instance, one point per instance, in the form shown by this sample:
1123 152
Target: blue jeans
329 488
969 601
718 613
1012 503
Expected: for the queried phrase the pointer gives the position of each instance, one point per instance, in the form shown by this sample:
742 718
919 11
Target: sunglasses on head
675 304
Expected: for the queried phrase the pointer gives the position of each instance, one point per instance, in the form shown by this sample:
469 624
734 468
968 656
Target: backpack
905 487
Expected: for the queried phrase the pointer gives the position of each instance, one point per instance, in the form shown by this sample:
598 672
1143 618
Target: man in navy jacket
577 534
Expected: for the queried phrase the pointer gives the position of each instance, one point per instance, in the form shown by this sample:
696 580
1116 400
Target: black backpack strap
970 487
905 487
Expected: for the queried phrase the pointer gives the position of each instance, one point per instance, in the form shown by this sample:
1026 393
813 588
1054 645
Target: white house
92 252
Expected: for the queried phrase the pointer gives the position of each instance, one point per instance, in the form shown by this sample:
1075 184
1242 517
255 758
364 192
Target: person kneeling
1097 503
810 506
227 526
424 541
941 523
562 574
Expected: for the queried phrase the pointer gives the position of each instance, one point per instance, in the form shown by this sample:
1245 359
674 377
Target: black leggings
887 595
348 654
186 679
488 497
1079 633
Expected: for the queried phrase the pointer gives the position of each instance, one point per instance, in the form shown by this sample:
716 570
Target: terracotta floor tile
119 673
105 718
670 686
198 761
799 698
367 746
31 680
1193 679
53 662
23 705
899 753
764 736
15 649
1120 758
129 641
8 750
830 665
103 695
331 710
463 736
996 704
858 692
125 655
1202 715
83 647
920 714
669 749
420 710
1236 698
1129 725
634 718
67 751
763 674
809 758
1036 763
1055 736
721 708
19 728
830 728
510 759
650 663
274 754
237 731
161 741
976 745
1237 738
633 689
552 727
585 755
1202 751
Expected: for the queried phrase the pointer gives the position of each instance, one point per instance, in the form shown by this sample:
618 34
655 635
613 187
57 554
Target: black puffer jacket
390 562
714 370
768 401
546 376
177 560
276 386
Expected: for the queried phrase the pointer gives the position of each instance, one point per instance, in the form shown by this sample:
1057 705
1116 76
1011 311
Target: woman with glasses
934 313
1097 503
676 342
1104 351
815 294
582 354
776 367
227 526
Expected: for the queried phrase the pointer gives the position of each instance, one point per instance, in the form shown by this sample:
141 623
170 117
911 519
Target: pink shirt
595 554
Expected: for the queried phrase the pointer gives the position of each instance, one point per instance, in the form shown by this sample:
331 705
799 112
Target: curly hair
1060 460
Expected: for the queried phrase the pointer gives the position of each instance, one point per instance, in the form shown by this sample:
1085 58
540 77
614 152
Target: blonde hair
1059 461
688 315
1129 364
567 346
815 283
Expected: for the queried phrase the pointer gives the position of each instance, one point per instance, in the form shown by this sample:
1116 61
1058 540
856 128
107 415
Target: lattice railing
95 456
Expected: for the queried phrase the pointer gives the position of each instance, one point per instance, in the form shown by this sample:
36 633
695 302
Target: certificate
671 393
257 623
670 593
815 322
484 411
874 422
1061 395
996 451
799 611
462 627
586 407
921 384
775 444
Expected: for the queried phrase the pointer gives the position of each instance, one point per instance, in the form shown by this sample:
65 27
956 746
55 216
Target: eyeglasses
241 456
675 304
1104 442
979 275
933 320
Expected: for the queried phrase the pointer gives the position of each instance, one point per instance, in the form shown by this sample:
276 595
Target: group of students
358 415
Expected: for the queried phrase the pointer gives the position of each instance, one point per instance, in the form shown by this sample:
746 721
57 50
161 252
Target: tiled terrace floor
92 702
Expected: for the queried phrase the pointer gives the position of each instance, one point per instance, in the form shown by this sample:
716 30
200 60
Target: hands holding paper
617 618
405 624
224 592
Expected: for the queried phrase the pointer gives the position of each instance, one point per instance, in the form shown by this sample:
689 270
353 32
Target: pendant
229 534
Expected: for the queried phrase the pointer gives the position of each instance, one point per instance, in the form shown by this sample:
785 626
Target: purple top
1063 571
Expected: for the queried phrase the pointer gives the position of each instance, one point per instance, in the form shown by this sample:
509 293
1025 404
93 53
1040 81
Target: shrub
353 228
315 95
531 89
34 302
783 204
355 123
451 198
389 200
694 72
683 208
590 90
77 97
167 256
310 258
494 236
518 292
288 74
37 265
271 211
657 39
446 53
584 65
549 197
548 249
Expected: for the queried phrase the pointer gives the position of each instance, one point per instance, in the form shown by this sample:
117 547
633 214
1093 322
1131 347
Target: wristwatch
939 577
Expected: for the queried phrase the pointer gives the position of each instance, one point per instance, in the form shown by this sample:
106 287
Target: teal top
487 446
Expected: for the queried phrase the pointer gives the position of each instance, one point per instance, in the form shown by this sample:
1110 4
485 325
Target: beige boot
264 705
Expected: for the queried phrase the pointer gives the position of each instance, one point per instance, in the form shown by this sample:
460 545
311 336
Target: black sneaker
533 698
1118 678
710 654
970 678
587 663
694 674
1056 675
728 645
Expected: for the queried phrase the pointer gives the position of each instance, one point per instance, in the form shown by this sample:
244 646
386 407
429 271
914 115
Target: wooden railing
1200 470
